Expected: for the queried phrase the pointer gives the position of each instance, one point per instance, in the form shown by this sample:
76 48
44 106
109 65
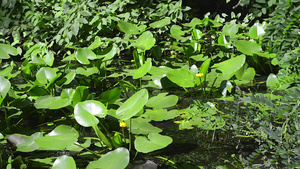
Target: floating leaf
154 142
142 126
256 31
58 139
110 96
108 53
128 28
25 143
245 73
86 111
117 159
162 101
272 82
230 29
83 55
230 66
161 23
6 50
247 47
133 105
159 114
64 162
96 44
181 77
145 41
140 72
50 102
45 75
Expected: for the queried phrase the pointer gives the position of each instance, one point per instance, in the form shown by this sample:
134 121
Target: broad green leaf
45 75
108 53
88 71
140 72
159 71
159 115
3 54
226 86
8 49
25 143
145 41
161 23
133 105
176 31
256 31
50 102
64 162
96 44
128 28
272 82
181 77
224 42
230 29
245 73
154 142
69 77
4 87
1 136
67 93
58 139
162 101
116 159
83 55
81 93
86 111
75 147
247 47
142 126
110 96
230 66
194 22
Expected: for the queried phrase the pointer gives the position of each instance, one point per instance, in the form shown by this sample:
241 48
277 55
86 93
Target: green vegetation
109 84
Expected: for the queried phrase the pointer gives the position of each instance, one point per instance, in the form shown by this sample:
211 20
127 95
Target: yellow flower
123 124
199 75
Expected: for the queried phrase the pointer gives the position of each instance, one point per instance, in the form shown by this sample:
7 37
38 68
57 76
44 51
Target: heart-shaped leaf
58 139
110 96
25 143
272 82
64 162
117 159
6 50
142 126
128 28
256 31
86 111
154 142
245 73
83 55
108 53
45 75
50 102
162 101
140 72
159 115
182 77
230 29
133 105
247 47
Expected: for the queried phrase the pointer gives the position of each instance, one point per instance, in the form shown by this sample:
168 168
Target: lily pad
181 77
64 162
162 101
154 142
128 28
140 72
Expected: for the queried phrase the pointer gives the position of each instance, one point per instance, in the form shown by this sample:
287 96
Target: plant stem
102 137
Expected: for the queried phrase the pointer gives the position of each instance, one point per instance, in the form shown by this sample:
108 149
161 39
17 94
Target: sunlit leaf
133 105
230 66
230 29
128 28
256 31
142 126
86 111
45 75
161 23
154 142
247 47
117 159
181 77
110 96
145 41
272 82
4 87
245 73
25 143
162 101
140 72
50 102
64 162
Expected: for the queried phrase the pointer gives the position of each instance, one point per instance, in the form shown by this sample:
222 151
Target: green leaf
176 31
226 86
230 29
81 93
117 159
145 41
108 53
159 115
154 142
64 162
161 23
58 139
128 28
133 105
86 111
50 102
45 75
75 28
4 87
69 77
8 49
110 96
256 31
247 47
245 73
96 44
162 101
88 71
182 77
204 68
224 42
230 66
140 72
25 143
272 82
142 126
83 55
